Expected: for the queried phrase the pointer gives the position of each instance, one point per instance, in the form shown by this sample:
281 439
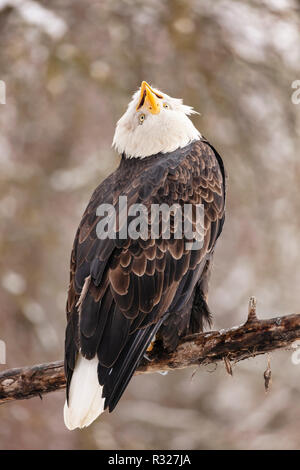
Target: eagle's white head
154 122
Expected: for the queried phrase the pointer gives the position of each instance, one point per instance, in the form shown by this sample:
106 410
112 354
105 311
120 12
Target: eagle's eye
165 105
141 118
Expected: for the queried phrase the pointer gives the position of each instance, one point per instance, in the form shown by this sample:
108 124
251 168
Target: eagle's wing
121 290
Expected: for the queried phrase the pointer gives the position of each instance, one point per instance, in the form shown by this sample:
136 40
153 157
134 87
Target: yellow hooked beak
149 98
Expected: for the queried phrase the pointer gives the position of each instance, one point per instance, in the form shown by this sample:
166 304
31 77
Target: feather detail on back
85 395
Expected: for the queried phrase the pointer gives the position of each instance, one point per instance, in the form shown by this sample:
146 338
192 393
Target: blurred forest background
70 69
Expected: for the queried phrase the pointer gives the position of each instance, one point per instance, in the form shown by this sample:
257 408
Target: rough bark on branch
235 344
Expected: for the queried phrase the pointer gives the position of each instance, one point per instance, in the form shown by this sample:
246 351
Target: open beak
149 98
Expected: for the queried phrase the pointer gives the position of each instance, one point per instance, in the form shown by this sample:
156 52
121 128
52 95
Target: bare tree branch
235 344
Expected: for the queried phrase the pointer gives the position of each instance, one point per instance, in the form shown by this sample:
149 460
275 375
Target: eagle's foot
151 345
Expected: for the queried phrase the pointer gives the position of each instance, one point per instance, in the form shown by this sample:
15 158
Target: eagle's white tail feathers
85 395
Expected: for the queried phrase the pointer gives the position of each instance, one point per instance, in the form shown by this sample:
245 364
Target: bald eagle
126 292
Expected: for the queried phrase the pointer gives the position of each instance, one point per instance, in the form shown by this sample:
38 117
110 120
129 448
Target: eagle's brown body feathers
134 289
